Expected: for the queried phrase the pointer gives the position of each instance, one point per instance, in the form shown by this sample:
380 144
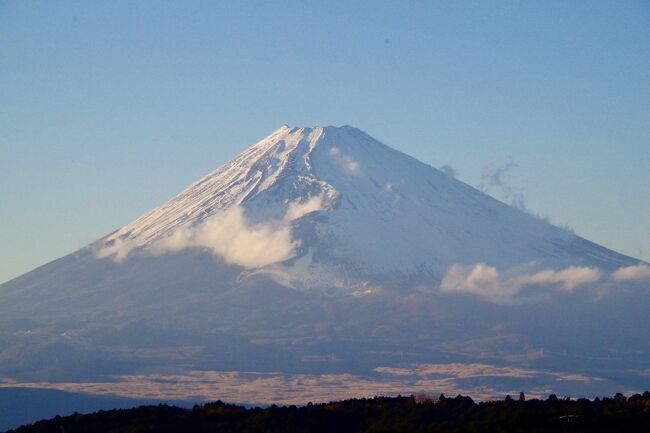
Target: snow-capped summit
327 206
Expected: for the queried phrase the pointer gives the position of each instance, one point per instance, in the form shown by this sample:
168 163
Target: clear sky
107 109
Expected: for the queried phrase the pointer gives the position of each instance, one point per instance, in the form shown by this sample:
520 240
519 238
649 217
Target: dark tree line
376 415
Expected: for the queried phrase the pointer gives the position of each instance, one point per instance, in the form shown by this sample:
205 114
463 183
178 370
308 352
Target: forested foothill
379 414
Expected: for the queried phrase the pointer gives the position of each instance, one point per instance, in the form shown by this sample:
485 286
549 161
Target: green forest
375 415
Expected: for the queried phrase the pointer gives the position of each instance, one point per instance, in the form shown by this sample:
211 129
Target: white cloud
481 280
485 281
232 237
568 278
628 273
297 209
351 165
117 249
495 178
229 235
449 170
237 241
345 161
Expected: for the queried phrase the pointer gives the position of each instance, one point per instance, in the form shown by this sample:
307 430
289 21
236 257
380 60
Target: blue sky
109 108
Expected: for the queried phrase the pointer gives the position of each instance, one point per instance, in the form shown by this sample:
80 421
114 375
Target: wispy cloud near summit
230 236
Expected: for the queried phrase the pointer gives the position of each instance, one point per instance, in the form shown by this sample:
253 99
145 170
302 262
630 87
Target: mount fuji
332 208
321 251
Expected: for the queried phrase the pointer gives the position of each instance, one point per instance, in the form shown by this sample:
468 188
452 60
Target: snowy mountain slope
372 213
